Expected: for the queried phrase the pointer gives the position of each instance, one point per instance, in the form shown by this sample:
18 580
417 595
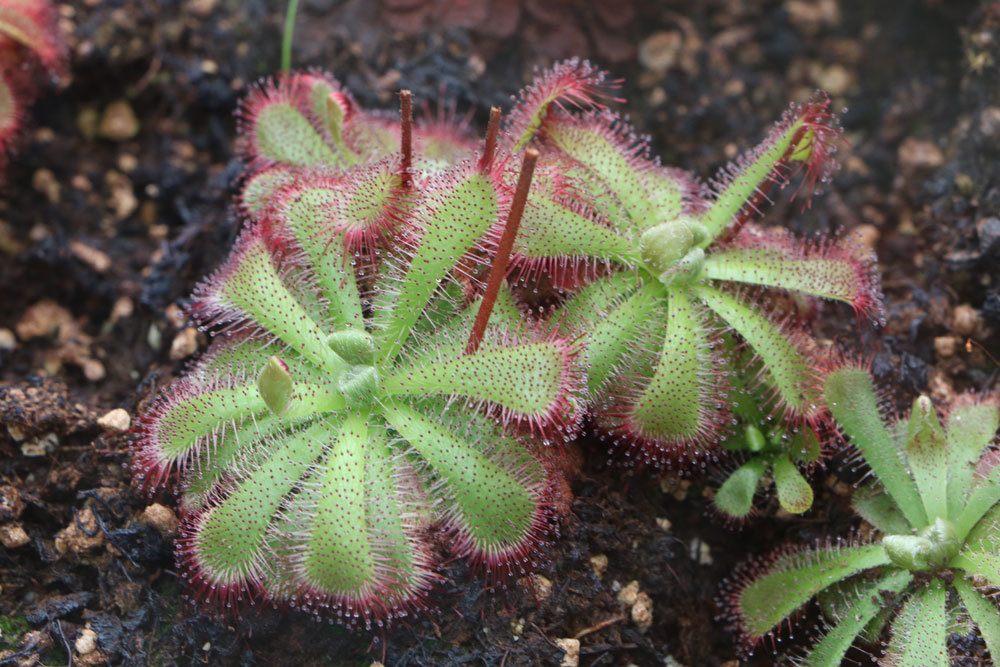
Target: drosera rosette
304 121
30 44
336 424
765 451
673 265
932 566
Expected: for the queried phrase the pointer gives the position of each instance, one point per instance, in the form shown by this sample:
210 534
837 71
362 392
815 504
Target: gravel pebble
571 651
117 420
160 517
13 536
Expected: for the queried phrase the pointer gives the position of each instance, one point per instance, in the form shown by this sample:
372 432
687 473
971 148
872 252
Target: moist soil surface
120 199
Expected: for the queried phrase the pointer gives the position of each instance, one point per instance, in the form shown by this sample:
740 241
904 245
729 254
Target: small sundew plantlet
29 41
671 265
767 448
341 417
934 566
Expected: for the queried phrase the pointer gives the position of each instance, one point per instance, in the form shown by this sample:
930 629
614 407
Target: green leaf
832 648
985 564
794 492
875 506
786 369
243 441
550 229
919 631
311 214
229 545
676 402
492 497
743 184
529 379
282 134
250 285
612 312
454 219
928 457
667 189
827 277
338 557
850 395
803 446
259 190
188 419
984 614
982 502
275 385
970 430
331 116
601 145
794 579
735 497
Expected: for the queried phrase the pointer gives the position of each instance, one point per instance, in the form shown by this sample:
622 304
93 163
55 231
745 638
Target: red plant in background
29 45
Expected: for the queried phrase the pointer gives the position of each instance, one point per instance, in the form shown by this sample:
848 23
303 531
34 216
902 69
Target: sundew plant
366 390
661 266
933 566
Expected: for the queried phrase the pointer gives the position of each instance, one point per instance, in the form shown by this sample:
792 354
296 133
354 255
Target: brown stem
502 258
490 149
406 135
599 626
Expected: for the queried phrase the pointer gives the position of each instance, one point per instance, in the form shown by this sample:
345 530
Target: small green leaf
353 346
850 394
928 457
754 440
735 497
794 492
785 367
804 446
930 549
984 614
282 134
919 631
970 430
875 506
275 386
832 648
794 579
